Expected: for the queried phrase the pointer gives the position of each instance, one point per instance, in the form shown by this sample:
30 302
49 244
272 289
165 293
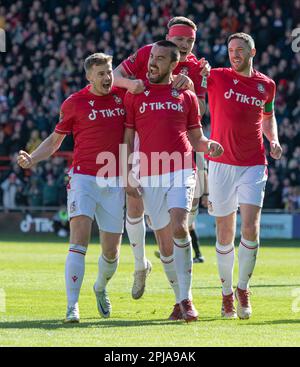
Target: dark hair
183 21
243 36
96 59
175 55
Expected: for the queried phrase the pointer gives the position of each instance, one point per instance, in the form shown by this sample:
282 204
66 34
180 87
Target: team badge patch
175 93
73 207
184 71
117 99
260 88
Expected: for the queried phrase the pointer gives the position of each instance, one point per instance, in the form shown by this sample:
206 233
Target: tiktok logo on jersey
243 98
106 113
158 106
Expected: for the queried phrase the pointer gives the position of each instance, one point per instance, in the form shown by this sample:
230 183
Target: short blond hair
98 58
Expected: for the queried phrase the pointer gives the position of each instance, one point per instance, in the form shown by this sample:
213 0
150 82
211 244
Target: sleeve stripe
126 67
61 131
130 126
194 127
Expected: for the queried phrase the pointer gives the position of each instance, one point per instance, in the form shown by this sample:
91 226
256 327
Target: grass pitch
32 280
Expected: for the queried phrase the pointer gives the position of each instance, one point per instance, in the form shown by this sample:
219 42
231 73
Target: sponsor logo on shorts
210 206
74 278
73 207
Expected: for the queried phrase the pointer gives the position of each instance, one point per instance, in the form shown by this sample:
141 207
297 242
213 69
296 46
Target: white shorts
201 167
229 186
159 199
106 204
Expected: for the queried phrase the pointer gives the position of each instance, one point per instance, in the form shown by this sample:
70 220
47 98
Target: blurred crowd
47 42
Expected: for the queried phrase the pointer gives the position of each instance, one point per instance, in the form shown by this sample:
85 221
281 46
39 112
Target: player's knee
135 208
225 237
111 254
180 230
80 230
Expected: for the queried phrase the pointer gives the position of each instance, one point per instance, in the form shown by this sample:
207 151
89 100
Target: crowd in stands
47 42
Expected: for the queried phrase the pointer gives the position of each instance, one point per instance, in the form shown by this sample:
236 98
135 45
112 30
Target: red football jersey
237 104
97 124
162 116
137 65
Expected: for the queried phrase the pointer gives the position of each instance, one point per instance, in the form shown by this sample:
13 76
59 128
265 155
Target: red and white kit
237 104
162 116
97 125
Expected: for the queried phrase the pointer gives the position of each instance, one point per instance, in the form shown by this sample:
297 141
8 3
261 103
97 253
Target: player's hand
182 81
214 149
24 160
136 86
204 64
275 149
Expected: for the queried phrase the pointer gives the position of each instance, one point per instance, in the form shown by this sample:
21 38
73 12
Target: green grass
32 276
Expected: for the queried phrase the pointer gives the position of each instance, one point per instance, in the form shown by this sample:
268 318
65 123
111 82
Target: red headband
182 30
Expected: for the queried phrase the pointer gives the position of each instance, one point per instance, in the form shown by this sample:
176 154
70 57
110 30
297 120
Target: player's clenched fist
275 149
135 86
24 160
214 149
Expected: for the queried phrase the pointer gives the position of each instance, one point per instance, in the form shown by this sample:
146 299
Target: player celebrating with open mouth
241 101
95 116
168 124
182 32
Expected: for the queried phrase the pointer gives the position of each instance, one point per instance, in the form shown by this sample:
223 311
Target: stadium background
48 40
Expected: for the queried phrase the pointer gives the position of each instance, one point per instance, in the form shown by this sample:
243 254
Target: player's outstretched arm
42 152
200 143
121 80
270 130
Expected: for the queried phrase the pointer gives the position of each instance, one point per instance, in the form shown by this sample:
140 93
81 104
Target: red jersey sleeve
133 64
130 112
269 105
66 117
194 112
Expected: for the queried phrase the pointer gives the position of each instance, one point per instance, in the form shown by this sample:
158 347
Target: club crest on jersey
184 71
235 81
91 103
117 99
175 93
260 88
147 92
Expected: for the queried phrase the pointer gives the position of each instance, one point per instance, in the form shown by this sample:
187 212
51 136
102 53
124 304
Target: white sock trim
224 249
250 245
134 221
182 242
